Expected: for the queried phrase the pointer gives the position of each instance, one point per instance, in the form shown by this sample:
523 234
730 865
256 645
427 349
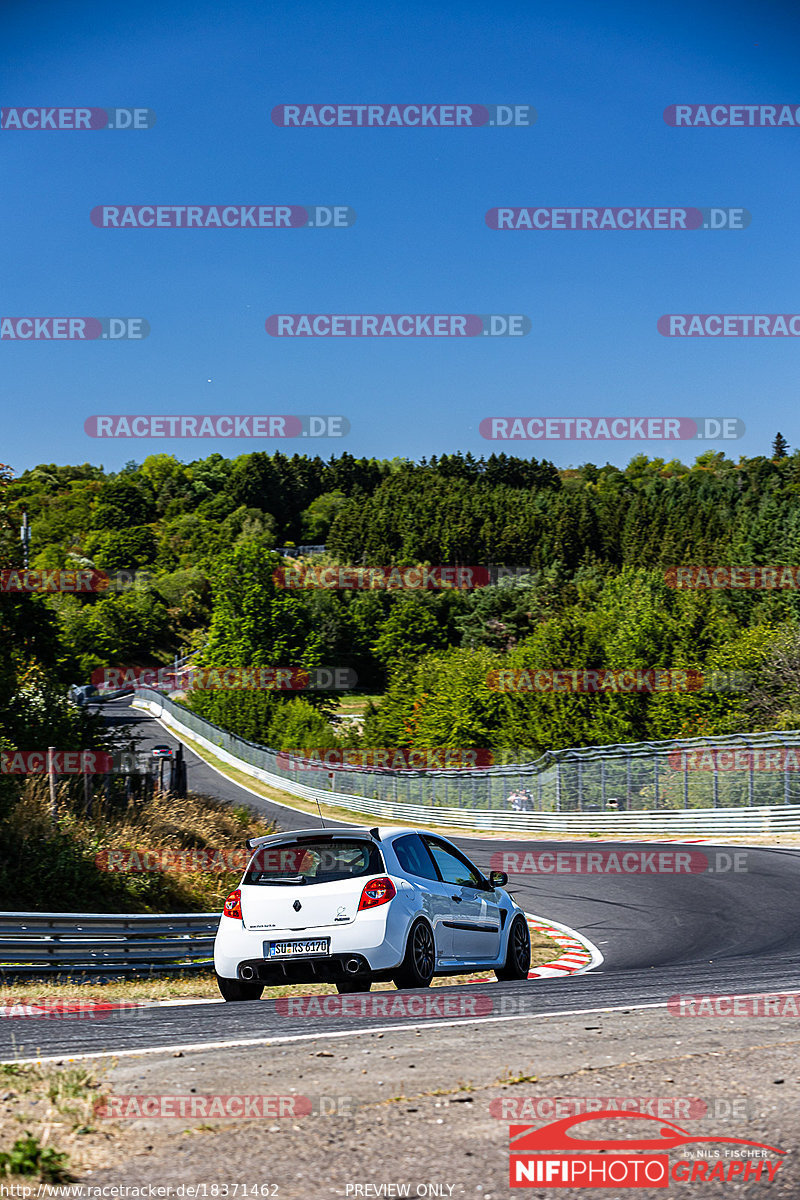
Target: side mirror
498 879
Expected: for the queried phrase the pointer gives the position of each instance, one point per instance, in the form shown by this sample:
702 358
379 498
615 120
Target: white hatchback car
354 905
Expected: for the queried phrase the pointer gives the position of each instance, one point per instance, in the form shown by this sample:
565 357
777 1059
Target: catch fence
739 771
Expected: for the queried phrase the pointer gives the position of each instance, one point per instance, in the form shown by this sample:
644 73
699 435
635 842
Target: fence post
558 785
685 779
51 775
87 794
628 784
655 777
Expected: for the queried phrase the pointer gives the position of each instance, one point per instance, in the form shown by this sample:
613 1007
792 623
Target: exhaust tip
352 966
247 973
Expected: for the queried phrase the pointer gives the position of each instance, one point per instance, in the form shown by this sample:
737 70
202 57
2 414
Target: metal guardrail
35 944
720 821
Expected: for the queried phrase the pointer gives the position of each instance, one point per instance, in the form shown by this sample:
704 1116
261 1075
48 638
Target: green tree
411 630
123 502
780 447
122 549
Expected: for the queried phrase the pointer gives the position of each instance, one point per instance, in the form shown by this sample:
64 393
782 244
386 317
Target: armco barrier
36 944
576 804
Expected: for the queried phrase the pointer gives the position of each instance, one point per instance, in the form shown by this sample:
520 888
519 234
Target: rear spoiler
315 835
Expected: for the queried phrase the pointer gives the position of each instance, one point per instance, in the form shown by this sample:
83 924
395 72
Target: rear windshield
314 862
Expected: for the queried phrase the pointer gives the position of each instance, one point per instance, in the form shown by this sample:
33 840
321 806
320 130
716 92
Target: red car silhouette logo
555 1136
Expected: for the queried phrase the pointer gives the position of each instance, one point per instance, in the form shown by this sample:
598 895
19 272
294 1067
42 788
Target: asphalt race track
660 935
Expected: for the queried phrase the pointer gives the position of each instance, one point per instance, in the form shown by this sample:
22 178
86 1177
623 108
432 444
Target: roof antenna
319 810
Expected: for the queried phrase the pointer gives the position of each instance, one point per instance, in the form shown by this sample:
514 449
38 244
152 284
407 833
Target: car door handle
457 899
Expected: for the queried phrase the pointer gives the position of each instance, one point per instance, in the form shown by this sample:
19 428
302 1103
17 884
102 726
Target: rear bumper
377 939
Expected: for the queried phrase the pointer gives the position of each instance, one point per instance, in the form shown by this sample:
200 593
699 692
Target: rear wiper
291 879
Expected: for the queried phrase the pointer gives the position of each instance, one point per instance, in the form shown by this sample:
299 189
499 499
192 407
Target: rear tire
239 989
518 953
416 969
345 986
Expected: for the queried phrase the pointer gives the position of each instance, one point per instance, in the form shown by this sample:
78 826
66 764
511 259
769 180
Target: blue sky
599 77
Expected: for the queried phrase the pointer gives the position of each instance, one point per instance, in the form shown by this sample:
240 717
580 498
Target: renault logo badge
297 906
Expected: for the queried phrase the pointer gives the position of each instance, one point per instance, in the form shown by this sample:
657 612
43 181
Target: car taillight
377 891
233 905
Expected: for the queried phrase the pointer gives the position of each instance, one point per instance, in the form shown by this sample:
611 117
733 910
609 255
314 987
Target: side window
453 868
413 857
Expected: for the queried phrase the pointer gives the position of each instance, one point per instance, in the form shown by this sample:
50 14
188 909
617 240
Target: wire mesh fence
737 771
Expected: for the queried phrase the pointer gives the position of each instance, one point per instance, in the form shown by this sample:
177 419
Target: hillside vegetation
590 547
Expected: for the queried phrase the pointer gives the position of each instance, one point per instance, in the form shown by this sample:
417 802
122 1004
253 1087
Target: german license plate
301 948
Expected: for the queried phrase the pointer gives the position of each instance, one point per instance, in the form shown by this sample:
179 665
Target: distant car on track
356 905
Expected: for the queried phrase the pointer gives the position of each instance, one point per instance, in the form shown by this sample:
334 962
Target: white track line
65 1057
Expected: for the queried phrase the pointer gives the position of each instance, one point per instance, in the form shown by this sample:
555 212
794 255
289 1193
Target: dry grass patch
45 1114
75 845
